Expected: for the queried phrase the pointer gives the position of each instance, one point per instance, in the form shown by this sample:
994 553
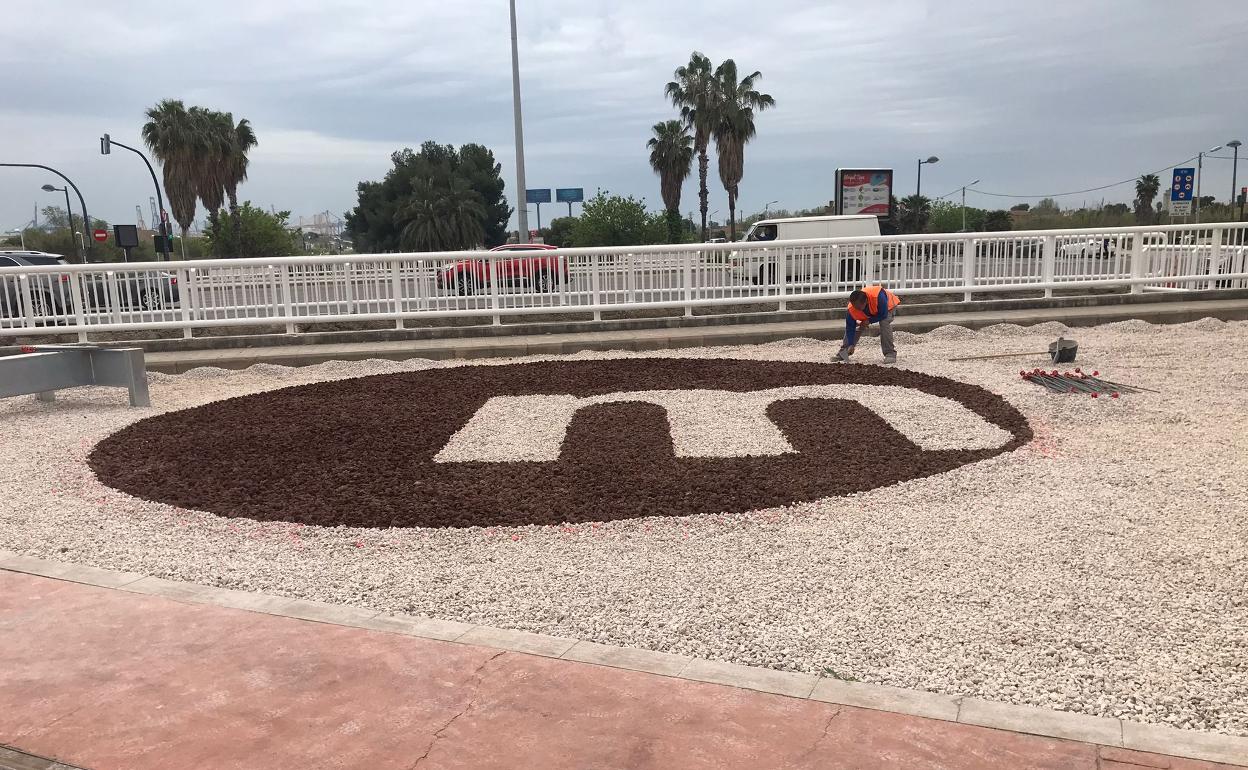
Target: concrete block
171 589
409 625
628 658
884 698
518 641
789 683
75 573
1038 721
323 612
1185 743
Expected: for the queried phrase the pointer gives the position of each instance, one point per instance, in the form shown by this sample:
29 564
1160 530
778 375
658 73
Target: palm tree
244 140
442 215
694 92
671 157
914 211
215 131
1146 189
735 106
172 134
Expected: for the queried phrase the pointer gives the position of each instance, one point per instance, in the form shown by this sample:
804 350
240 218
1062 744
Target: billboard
537 196
864 191
1182 188
570 194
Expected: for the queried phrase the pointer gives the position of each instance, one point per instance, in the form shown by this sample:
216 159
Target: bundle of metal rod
1076 382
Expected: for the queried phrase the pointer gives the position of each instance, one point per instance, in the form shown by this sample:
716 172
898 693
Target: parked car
540 273
50 292
1097 248
844 262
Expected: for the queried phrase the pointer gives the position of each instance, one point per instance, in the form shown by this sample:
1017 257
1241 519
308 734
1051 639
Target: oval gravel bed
361 452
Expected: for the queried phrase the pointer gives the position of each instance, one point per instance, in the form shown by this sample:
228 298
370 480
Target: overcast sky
1030 98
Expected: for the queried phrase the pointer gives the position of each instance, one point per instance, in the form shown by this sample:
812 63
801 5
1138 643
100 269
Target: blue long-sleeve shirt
851 323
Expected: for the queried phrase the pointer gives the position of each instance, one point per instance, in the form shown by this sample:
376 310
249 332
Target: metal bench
44 369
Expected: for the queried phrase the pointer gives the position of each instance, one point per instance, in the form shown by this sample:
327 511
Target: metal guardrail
45 369
81 299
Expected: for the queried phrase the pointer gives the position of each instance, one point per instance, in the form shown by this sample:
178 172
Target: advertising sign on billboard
864 191
537 196
570 194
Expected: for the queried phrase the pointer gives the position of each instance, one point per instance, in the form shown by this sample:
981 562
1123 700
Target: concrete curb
971 711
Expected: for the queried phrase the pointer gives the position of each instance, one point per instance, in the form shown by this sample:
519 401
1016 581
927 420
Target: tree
671 157
694 92
1021 207
384 209
172 134
236 173
613 220
735 105
998 220
263 235
443 214
1146 189
560 231
913 212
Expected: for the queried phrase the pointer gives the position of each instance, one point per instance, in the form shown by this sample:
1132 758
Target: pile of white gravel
1101 569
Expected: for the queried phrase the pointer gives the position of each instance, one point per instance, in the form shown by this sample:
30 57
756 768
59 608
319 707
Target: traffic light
106 145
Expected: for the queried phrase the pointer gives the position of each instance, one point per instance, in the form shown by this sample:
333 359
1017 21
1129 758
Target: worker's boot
890 358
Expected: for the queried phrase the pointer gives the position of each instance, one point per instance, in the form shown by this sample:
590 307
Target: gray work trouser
886 335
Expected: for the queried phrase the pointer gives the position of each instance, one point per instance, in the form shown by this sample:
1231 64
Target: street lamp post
21 232
918 185
1200 164
1234 145
106 145
968 184
767 208
182 241
86 248
68 211
515 99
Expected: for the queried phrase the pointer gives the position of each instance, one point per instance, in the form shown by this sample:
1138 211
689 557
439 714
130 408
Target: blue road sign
1183 186
570 194
537 196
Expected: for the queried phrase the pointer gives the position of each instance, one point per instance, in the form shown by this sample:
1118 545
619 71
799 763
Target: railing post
192 293
28 300
350 288
968 268
687 270
1048 260
1215 258
184 300
76 297
492 266
288 304
1137 262
396 289
595 284
782 279
110 279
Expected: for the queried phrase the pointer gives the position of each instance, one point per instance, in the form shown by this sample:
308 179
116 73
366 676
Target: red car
540 273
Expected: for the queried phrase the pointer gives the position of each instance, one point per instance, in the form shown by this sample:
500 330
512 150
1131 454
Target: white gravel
1101 569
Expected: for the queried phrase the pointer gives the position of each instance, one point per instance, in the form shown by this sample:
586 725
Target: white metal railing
80 299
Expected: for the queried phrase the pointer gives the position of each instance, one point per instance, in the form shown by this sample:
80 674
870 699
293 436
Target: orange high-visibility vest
873 303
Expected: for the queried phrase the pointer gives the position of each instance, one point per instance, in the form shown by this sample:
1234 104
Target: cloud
1064 95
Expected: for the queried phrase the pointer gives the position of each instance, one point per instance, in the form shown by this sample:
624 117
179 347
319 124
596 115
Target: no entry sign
100 234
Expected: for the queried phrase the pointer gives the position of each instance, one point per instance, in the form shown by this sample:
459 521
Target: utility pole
1200 164
521 202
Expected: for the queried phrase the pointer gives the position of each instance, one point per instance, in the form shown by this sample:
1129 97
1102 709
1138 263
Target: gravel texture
1099 568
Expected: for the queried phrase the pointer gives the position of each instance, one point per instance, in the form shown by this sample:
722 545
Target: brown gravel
359 452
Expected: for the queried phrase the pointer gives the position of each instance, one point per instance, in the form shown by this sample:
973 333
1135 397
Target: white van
842 262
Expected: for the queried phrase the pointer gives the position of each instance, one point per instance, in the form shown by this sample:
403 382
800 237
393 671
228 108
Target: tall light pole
85 249
767 208
918 185
968 184
68 211
106 147
1234 144
22 233
521 200
1200 164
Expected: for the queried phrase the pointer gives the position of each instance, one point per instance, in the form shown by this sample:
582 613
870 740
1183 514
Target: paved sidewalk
101 678
911 320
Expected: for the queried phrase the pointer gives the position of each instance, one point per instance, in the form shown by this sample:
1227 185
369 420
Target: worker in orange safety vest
870 305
